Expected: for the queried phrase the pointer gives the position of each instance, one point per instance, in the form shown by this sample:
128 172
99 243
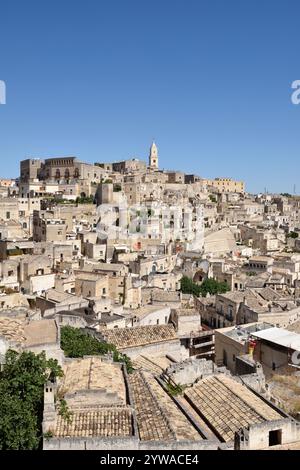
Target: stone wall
191 370
125 444
156 349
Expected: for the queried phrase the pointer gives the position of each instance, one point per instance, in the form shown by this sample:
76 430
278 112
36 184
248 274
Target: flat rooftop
280 336
241 333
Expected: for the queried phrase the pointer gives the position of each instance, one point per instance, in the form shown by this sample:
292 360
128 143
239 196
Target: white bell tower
153 157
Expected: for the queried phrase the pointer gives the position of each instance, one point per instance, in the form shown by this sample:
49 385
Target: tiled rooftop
28 334
153 424
227 405
187 312
182 427
156 365
143 363
93 374
101 422
41 332
12 329
140 335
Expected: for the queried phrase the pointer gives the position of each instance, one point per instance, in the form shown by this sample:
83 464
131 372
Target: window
275 437
233 357
224 357
157 322
8 215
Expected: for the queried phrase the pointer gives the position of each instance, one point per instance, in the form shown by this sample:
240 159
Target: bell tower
153 157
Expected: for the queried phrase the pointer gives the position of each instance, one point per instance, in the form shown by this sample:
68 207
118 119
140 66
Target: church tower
153 157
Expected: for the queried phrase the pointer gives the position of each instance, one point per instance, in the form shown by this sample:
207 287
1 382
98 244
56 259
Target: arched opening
199 276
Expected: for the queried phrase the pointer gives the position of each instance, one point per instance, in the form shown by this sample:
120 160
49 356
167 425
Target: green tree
190 287
76 343
22 383
212 287
293 235
208 286
117 188
85 200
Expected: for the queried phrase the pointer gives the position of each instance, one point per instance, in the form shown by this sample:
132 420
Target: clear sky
209 80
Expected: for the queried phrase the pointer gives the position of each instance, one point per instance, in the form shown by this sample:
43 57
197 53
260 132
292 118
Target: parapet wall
124 444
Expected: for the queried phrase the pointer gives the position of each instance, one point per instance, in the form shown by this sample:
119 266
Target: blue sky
209 80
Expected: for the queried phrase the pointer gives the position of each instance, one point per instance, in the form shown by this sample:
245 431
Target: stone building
155 340
48 228
228 185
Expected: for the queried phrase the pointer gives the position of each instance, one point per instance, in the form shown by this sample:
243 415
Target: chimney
49 414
